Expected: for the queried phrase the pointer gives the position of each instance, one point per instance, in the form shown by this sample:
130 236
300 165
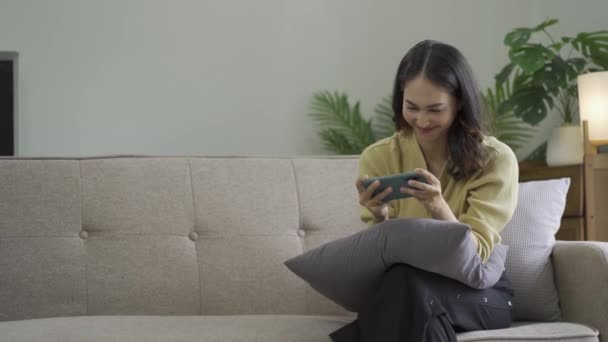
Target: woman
471 178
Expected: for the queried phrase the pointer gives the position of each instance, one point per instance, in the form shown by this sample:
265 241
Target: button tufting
83 234
301 232
193 236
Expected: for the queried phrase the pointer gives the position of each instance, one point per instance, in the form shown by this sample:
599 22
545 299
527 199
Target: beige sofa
132 248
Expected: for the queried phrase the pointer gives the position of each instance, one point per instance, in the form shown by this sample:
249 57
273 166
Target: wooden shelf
573 220
586 213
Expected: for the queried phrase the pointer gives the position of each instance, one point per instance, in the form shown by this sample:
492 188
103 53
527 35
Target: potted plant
543 77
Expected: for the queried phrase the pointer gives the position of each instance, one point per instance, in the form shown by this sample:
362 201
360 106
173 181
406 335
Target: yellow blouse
486 201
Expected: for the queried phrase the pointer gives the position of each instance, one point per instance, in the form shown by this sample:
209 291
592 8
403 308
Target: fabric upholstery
530 236
581 274
42 259
529 332
152 235
347 270
265 328
195 235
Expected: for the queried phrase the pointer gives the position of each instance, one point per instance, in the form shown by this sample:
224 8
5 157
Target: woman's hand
374 204
430 195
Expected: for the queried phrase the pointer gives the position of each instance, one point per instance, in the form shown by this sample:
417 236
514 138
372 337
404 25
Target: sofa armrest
581 276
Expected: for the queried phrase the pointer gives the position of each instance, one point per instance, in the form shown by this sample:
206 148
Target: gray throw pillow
347 270
530 235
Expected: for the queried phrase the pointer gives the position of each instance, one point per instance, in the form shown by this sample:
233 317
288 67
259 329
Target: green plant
343 128
505 125
384 126
544 77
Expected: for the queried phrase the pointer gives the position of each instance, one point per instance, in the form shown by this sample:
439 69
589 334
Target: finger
370 189
412 192
430 178
359 183
367 194
378 199
420 186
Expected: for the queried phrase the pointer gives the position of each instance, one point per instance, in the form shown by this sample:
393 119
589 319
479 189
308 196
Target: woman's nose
423 121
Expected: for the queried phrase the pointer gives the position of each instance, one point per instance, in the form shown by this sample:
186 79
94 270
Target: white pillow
530 236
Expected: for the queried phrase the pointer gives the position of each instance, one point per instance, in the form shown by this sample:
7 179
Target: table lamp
593 107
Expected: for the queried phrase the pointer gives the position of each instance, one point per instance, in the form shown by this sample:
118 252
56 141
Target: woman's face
429 109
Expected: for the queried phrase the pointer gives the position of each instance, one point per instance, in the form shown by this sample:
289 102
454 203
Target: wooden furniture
586 213
596 196
596 188
573 219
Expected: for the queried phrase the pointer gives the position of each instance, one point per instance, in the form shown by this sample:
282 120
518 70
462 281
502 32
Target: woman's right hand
374 204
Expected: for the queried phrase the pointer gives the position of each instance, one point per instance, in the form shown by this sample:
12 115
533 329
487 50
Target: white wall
231 77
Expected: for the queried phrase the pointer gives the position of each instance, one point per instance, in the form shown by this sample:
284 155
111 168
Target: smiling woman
470 177
434 83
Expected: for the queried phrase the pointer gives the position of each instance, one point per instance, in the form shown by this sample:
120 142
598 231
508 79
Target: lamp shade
593 103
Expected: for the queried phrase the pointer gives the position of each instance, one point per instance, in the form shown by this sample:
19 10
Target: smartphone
394 181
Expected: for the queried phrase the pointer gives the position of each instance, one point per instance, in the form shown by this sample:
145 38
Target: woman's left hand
428 194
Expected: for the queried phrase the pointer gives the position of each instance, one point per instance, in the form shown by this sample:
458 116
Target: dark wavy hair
446 67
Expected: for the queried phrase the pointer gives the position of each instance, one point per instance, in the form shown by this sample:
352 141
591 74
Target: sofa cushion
267 328
246 328
348 269
40 219
530 235
529 331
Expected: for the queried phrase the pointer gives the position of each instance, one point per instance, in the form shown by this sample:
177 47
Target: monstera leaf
593 45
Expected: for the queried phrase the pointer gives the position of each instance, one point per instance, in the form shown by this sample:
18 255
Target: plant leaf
335 141
593 45
545 24
521 80
556 47
553 76
530 103
517 37
505 125
383 121
530 58
504 74
341 122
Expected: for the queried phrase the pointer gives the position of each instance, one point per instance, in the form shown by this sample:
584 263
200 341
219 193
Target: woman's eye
412 108
435 110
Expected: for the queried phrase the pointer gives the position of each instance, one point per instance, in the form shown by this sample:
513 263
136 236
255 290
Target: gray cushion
346 270
530 235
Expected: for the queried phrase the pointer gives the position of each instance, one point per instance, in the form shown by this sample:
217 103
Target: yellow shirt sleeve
371 163
491 200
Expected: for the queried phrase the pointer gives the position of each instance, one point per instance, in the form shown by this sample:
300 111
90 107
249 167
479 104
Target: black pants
412 305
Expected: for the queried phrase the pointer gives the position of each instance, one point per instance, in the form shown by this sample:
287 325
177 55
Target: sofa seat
240 328
532 331
245 328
